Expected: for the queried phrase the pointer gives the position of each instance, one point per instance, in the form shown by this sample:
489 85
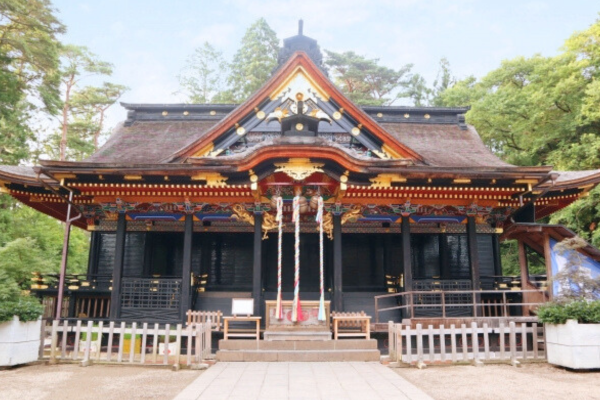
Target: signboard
242 306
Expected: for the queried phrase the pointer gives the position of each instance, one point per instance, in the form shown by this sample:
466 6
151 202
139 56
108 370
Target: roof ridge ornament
300 43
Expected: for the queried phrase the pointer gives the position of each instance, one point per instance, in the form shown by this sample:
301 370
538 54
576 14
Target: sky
148 41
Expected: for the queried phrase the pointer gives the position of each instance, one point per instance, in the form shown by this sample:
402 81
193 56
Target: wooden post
548 258
497 255
93 255
186 270
338 301
407 261
442 343
474 262
257 264
53 342
524 275
63 263
115 296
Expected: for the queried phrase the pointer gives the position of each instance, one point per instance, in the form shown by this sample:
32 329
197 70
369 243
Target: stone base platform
297 335
298 350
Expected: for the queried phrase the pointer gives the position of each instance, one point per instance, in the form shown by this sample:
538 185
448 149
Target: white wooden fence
450 345
97 342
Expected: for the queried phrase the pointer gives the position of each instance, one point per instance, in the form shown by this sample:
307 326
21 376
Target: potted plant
20 324
572 319
127 343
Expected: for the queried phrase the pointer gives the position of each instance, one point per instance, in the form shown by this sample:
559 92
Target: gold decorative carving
133 177
328 225
242 214
299 168
205 150
337 115
215 152
386 180
391 152
353 214
461 180
65 176
211 178
268 223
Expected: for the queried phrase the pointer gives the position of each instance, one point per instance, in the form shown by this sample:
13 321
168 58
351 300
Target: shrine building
182 204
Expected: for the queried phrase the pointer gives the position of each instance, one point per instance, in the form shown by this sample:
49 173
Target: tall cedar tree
253 62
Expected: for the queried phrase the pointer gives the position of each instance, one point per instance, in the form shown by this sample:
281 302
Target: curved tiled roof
445 145
18 170
149 141
440 145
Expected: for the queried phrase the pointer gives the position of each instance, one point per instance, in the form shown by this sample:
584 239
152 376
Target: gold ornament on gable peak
299 168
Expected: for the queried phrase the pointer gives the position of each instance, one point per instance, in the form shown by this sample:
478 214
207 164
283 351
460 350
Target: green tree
363 80
544 111
204 76
77 62
416 90
28 64
253 62
442 82
24 226
89 108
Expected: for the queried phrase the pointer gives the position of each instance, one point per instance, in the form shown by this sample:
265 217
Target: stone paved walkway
310 381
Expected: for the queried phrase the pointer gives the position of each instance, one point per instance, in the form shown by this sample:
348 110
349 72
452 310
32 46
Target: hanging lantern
274 200
302 204
314 201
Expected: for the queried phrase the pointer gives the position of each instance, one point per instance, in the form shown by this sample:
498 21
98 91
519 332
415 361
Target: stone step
297 355
297 335
299 345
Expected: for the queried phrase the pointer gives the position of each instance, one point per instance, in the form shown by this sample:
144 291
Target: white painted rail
477 342
135 343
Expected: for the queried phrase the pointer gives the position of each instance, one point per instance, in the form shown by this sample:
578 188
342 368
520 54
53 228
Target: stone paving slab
301 381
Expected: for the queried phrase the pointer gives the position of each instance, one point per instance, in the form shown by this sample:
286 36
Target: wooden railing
478 303
112 343
465 343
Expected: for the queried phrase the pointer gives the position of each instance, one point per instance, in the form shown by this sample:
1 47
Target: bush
13 301
583 311
27 308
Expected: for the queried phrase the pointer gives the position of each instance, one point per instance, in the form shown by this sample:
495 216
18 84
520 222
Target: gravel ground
70 381
499 382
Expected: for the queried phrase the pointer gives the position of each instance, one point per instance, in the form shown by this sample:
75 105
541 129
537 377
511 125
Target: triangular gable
298 75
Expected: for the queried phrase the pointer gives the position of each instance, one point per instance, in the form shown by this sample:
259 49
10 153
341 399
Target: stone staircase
298 350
